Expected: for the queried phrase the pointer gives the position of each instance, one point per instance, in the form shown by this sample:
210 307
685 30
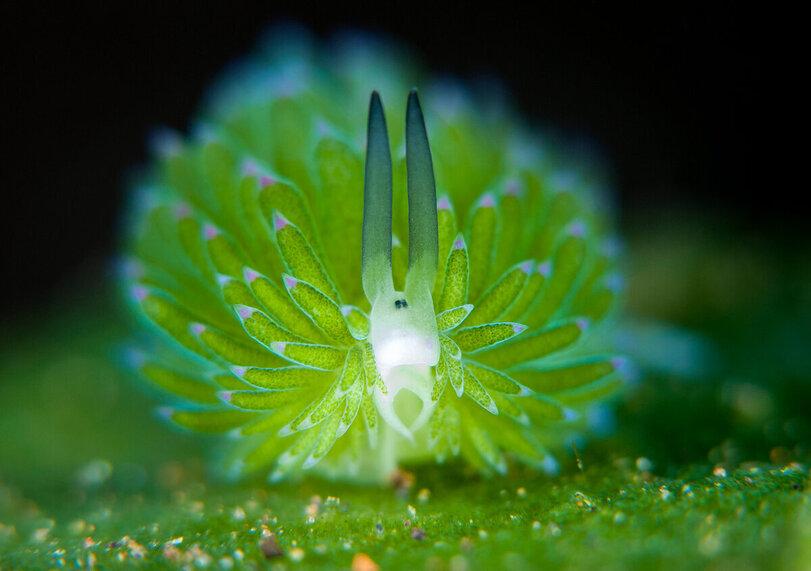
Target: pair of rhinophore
403 331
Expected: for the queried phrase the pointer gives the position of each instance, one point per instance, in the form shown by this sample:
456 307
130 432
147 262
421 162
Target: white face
405 342
403 331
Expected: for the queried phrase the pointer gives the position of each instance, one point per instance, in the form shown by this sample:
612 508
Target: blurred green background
720 321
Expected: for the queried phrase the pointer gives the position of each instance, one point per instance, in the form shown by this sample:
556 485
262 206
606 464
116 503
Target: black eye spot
401 304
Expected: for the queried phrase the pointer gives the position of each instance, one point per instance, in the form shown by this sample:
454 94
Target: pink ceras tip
513 188
527 267
250 168
279 221
211 231
577 229
182 211
266 180
618 363
487 201
290 282
140 293
245 312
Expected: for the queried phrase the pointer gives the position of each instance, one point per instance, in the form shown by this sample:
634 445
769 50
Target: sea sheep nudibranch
336 286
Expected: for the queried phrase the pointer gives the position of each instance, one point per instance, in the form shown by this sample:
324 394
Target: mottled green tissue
319 181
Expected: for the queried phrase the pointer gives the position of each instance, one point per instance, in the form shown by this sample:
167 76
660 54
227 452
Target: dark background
689 104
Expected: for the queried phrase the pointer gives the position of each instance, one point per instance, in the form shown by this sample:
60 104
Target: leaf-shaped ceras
348 287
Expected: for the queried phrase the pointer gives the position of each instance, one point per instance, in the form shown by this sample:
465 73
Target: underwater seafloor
706 465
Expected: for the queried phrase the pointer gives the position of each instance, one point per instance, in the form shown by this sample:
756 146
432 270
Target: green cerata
341 288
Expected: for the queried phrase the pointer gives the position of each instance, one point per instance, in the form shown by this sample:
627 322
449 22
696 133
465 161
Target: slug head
403 331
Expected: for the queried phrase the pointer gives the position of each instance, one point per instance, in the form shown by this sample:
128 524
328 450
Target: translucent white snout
406 345
403 346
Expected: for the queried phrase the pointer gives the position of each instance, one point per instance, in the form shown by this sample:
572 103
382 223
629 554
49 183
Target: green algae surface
700 468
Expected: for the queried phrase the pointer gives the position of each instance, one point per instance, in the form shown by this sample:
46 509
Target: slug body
402 325
444 292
